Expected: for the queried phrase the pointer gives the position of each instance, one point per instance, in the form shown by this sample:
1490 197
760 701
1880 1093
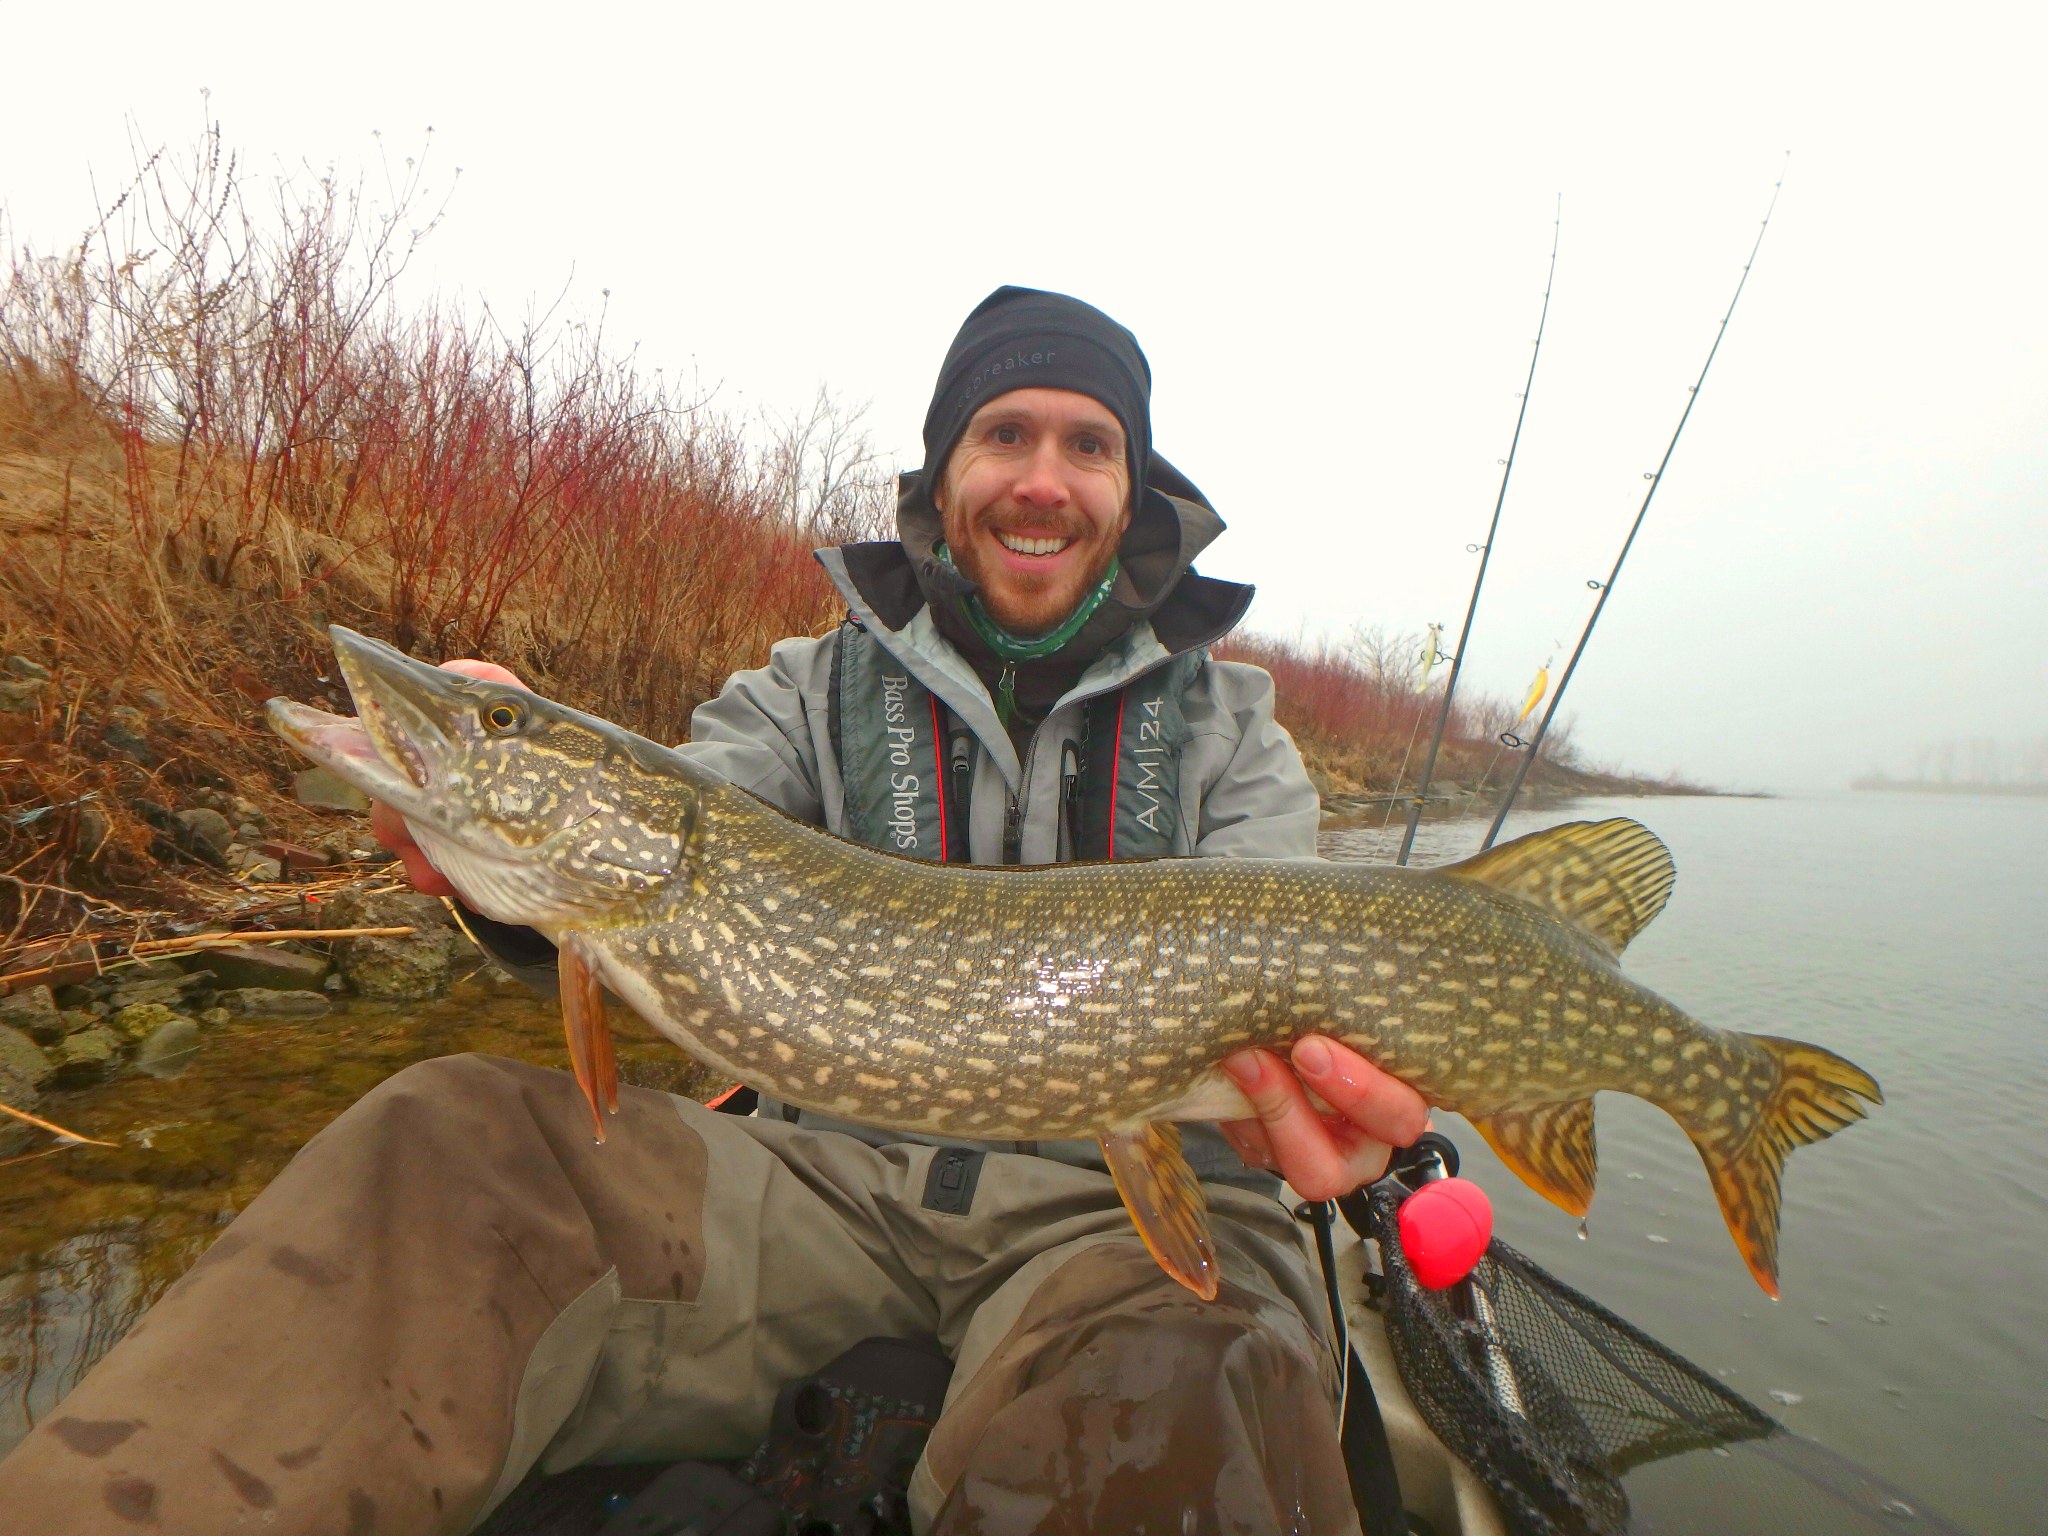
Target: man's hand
1322 1156
389 828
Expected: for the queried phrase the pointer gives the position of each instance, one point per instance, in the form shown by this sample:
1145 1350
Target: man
451 1285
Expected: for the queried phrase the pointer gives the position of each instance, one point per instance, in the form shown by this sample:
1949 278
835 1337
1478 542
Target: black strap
1368 1456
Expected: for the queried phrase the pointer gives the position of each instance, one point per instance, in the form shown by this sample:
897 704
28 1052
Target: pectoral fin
1165 1199
583 1020
1549 1147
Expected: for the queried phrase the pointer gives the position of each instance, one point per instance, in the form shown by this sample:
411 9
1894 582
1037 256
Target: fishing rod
1443 714
1656 478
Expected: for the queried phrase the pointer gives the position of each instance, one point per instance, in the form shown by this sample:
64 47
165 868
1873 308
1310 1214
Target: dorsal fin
1607 877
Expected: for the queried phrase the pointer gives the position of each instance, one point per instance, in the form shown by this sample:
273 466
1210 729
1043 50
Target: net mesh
1553 1401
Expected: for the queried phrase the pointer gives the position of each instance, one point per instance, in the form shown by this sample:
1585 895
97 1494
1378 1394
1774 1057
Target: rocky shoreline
94 1018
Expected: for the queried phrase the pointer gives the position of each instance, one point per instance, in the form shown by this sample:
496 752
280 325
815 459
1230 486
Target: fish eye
502 717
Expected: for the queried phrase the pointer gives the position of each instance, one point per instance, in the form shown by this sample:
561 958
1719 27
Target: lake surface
1909 933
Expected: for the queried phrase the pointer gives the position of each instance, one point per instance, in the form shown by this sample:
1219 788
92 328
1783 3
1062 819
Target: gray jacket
1243 790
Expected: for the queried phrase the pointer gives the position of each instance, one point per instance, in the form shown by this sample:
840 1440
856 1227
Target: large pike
1071 1000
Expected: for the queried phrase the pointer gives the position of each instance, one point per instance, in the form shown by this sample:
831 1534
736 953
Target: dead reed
220 430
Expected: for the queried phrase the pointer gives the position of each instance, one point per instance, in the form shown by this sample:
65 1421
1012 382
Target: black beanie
1024 338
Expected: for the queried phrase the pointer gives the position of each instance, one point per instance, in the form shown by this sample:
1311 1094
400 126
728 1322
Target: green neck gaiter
1011 649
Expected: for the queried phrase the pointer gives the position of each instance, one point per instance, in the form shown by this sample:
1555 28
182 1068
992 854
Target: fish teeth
1023 546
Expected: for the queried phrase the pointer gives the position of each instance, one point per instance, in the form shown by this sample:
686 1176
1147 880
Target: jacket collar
929 657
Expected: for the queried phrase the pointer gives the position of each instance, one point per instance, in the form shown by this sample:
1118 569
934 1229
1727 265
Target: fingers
484 671
1303 1150
1382 1106
391 832
1322 1156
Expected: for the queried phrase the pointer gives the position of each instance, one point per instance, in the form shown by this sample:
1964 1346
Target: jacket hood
1156 580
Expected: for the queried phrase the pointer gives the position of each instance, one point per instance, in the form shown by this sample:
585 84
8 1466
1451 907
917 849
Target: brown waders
453 1284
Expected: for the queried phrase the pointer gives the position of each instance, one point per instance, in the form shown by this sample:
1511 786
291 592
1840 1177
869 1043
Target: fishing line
1430 655
1656 478
1485 552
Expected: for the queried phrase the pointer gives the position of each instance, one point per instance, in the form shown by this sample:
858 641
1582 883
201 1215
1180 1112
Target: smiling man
450 1286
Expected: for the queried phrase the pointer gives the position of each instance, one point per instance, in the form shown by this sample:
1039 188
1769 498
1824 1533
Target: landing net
1554 1402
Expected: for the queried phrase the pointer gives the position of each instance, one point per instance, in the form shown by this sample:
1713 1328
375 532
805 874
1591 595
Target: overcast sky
1329 229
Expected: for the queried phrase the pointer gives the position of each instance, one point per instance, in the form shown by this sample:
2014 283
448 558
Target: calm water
1910 933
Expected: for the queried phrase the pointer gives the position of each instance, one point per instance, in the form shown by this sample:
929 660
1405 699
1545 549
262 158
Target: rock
264 965
76 1019
156 699
28 671
271 1002
22 1057
33 1011
249 862
171 990
17 1092
21 696
208 827
325 791
169 1048
126 734
87 1056
150 970
216 1016
237 808
184 1155
347 843
93 831
398 970
79 994
139 1020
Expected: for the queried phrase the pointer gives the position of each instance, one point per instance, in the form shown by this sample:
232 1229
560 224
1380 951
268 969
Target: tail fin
1817 1094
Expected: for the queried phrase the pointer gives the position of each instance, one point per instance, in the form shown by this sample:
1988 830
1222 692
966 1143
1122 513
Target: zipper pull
1013 833
960 765
1070 800
1006 695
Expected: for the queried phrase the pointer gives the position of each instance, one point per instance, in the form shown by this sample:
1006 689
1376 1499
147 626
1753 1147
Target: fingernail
1312 1057
1244 1068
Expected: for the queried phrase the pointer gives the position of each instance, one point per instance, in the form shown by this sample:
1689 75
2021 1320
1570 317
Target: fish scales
1069 1000
1155 970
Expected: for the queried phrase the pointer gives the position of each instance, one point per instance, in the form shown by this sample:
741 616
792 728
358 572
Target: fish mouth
340 744
403 726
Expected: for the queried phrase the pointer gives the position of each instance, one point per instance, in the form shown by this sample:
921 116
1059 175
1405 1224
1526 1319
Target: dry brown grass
219 433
